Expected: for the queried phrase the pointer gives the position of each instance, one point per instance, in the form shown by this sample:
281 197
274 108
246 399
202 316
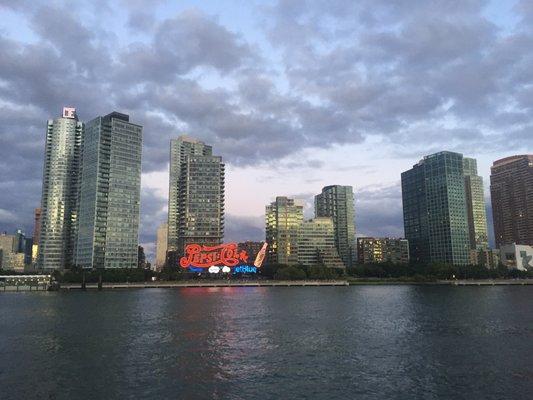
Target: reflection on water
245 343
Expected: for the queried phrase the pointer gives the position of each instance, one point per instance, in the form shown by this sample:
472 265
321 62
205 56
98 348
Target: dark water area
363 342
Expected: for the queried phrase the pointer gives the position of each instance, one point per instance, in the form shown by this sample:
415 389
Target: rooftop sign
69 112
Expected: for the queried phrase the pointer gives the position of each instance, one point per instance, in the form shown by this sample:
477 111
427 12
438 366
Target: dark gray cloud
180 44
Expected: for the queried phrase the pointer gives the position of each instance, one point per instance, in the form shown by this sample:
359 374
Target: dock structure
18 283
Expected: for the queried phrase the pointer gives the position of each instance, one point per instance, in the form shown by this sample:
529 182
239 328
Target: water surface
363 342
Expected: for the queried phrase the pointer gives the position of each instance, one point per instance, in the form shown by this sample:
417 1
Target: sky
294 95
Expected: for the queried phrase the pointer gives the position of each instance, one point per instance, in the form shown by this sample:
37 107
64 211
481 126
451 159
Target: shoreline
304 283
268 283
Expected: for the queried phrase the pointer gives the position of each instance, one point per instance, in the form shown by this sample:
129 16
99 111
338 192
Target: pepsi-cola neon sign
223 258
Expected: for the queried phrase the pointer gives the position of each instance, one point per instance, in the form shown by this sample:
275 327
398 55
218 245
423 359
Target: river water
362 342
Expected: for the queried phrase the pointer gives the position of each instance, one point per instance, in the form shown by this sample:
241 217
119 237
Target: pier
19 283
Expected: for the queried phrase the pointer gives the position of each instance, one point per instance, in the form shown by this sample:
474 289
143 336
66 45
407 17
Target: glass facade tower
283 218
110 193
475 205
196 195
435 210
59 208
337 203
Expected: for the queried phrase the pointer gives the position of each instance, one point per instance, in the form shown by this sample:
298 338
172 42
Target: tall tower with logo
59 201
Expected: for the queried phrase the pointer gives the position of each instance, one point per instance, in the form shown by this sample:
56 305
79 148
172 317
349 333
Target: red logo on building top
207 256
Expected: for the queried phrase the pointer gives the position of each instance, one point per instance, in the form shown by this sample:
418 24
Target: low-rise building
516 256
488 258
378 250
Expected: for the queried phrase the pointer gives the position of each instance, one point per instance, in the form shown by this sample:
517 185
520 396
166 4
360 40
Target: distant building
337 202
161 246
316 244
10 257
196 195
141 258
20 242
485 257
515 256
56 233
173 259
36 234
378 250
28 252
37 225
108 233
283 219
511 188
475 205
7 247
435 211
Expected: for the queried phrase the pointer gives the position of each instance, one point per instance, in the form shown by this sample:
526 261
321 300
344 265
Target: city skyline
287 114
194 149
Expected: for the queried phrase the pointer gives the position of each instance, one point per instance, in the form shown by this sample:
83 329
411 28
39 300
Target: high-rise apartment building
196 195
110 193
161 246
379 250
59 207
283 219
337 203
435 210
475 205
316 244
511 188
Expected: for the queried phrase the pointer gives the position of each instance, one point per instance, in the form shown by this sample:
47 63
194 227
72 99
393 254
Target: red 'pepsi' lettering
207 256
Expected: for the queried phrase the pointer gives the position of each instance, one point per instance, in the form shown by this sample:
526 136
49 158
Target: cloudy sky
294 95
